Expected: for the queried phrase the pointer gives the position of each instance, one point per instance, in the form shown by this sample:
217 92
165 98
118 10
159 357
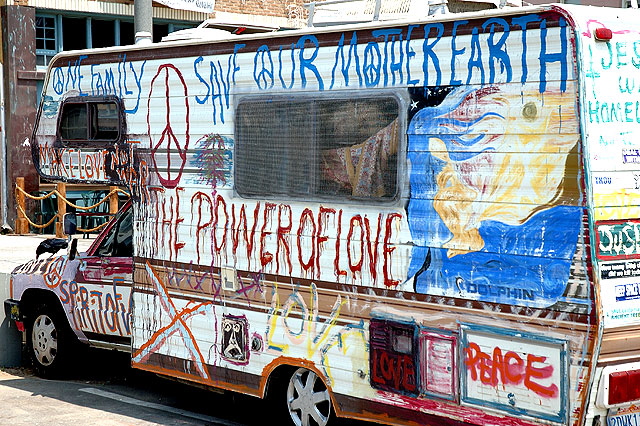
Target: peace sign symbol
263 68
58 81
165 111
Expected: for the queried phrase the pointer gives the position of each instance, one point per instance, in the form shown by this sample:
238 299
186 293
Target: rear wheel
308 400
50 341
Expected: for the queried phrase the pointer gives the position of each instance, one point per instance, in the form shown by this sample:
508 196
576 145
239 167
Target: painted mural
527 372
492 186
467 287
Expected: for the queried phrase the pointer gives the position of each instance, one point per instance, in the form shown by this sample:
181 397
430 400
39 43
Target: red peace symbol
168 79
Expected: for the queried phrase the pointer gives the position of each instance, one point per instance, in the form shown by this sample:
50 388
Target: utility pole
143 21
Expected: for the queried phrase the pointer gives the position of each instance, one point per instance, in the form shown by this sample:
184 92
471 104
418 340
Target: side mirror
69 223
73 251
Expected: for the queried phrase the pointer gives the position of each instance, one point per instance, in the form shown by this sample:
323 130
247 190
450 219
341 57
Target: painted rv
427 222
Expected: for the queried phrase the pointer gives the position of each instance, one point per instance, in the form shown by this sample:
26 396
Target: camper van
431 222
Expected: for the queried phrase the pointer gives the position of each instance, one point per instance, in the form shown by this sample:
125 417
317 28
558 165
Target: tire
308 401
50 341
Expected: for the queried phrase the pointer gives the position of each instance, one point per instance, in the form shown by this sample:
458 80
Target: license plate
629 419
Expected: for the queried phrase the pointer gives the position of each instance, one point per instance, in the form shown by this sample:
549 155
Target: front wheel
49 340
308 400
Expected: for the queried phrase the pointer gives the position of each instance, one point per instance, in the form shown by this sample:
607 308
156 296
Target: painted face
504 157
495 199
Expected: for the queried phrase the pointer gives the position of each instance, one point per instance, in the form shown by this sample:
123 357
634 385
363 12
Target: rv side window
106 120
90 121
73 124
311 148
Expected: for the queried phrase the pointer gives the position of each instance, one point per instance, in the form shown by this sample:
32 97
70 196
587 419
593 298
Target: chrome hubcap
44 339
308 399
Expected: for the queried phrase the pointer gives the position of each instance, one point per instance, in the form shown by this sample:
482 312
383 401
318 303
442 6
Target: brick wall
278 8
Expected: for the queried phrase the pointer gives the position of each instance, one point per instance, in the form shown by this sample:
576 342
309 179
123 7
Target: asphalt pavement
107 392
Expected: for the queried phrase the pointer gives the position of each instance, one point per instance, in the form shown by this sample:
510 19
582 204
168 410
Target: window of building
74 33
127 33
103 33
318 148
90 120
55 33
46 38
159 31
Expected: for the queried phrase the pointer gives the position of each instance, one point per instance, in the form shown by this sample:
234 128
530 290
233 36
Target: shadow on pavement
110 371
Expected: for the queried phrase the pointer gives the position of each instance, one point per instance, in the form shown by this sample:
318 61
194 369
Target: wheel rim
44 337
308 399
